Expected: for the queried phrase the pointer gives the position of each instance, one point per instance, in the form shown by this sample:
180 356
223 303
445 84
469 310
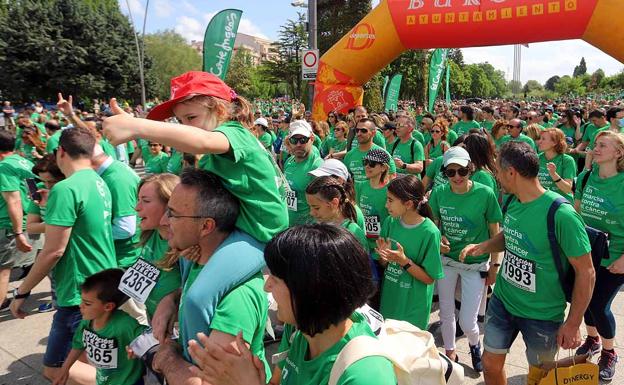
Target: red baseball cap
190 84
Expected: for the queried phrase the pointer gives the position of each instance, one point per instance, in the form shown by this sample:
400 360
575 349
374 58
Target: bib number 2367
519 272
139 280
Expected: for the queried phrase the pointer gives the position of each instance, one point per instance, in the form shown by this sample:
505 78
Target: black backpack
396 144
597 240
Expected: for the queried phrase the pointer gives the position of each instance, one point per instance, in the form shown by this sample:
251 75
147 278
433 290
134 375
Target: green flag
436 67
448 82
219 41
386 81
392 93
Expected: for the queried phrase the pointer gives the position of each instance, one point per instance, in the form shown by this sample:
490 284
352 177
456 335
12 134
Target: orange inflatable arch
397 25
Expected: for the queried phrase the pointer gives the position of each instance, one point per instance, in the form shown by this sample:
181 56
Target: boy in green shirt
104 333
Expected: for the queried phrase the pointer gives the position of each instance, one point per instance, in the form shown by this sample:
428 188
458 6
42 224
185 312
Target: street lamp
312 32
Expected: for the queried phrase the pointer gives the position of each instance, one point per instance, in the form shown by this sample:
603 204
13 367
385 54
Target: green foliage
570 86
551 83
532 86
456 55
336 18
373 100
239 74
82 48
286 67
460 81
414 66
580 69
171 56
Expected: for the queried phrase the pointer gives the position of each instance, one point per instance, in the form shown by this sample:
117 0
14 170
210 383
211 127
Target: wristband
496 264
407 265
404 166
16 234
557 181
16 294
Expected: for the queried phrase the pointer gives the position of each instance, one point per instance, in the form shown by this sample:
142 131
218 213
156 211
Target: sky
263 18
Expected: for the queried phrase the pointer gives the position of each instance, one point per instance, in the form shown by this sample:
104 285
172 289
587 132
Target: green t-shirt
53 142
356 231
251 175
419 137
157 164
403 297
566 169
168 280
602 207
592 141
317 142
106 349
487 124
13 171
298 178
174 165
451 137
333 145
298 369
569 132
145 150
434 173
485 178
527 282
267 140
464 218
123 184
437 150
245 309
520 138
404 152
353 161
108 148
373 204
590 133
464 127
82 202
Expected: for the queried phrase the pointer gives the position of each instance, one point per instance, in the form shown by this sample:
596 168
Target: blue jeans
64 325
502 328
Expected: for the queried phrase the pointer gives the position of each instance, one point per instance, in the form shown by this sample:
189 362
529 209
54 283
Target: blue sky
264 17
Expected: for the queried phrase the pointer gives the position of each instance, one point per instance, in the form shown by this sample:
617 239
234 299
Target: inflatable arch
397 25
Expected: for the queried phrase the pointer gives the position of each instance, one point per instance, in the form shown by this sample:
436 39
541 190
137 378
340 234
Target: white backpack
412 351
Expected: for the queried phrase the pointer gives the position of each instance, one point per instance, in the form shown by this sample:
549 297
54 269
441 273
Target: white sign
309 64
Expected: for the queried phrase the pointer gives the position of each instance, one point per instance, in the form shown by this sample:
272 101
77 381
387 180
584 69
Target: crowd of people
485 208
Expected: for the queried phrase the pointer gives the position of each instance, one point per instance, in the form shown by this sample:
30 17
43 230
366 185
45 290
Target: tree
336 18
171 56
414 66
373 100
514 86
532 86
239 73
286 66
480 85
456 55
570 86
496 77
460 81
58 45
596 78
580 69
551 83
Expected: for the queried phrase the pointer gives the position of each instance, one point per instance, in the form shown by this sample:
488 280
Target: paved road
22 343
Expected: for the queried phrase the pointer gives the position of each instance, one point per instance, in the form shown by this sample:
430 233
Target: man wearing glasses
408 152
364 133
303 160
202 212
516 135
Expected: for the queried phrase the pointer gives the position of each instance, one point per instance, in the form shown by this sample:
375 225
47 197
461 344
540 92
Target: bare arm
34 224
415 168
13 201
56 239
585 278
63 374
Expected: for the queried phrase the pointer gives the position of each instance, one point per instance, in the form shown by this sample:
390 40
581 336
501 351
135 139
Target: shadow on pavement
22 374
30 306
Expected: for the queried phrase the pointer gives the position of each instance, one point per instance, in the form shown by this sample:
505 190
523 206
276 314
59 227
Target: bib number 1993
519 272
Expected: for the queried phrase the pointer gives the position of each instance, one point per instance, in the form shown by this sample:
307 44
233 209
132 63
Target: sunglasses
301 140
361 130
511 126
461 171
370 163
436 131
154 145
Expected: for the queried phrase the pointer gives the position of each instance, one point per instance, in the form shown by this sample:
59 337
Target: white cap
331 167
456 155
262 122
300 127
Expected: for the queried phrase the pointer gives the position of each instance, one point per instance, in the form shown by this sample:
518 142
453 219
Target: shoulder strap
356 349
412 149
395 145
552 237
585 179
507 203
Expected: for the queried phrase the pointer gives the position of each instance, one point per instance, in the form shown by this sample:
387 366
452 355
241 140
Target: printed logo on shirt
455 226
101 352
594 206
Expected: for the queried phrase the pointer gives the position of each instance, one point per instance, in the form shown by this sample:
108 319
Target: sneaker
45 307
606 365
591 346
475 354
5 305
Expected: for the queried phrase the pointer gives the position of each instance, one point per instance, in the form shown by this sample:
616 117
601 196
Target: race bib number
291 200
139 280
373 227
519 272
101 352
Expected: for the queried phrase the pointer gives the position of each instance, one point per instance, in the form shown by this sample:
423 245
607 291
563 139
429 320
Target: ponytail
329 188
410 188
